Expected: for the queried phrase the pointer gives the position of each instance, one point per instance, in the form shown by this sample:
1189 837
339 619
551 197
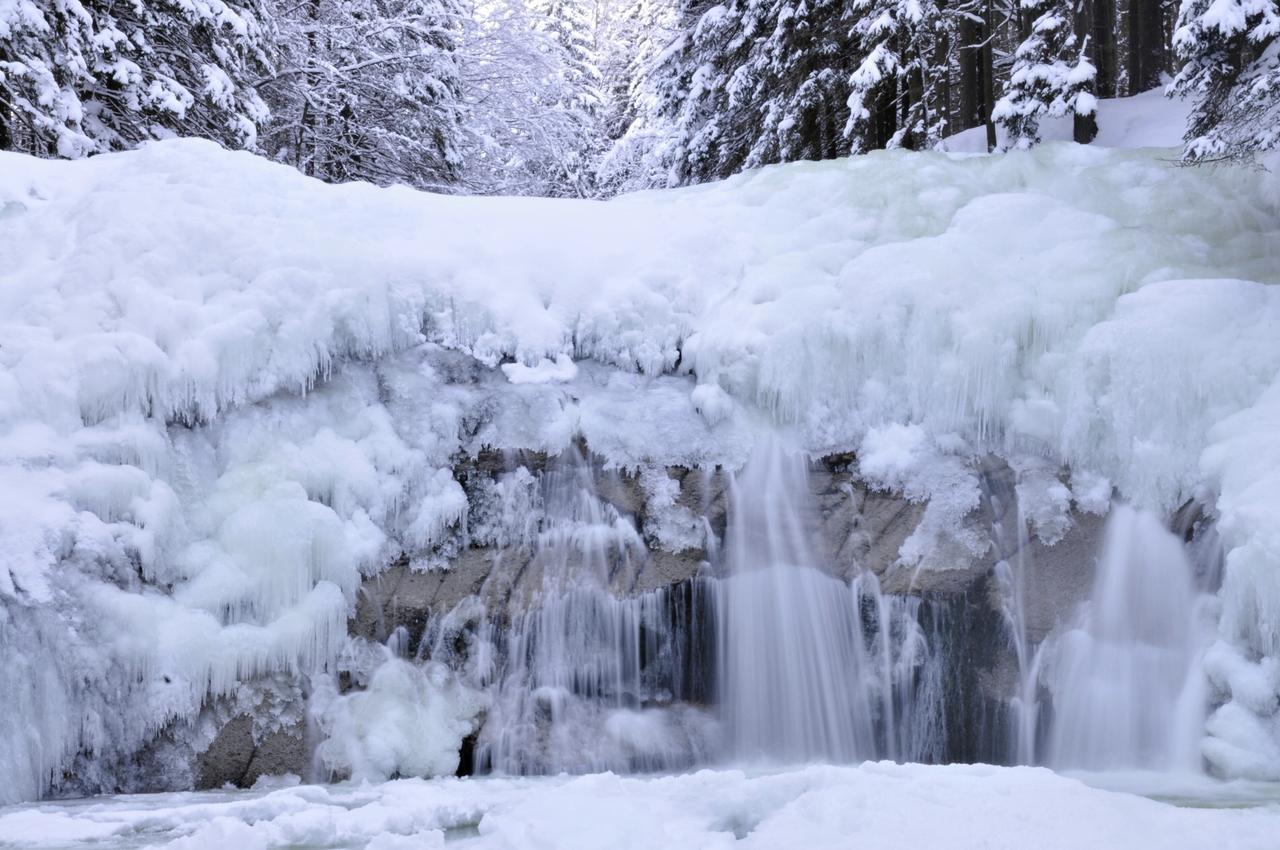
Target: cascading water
906 668
589 680
809 668
772 655
592 683
1127 687
792 676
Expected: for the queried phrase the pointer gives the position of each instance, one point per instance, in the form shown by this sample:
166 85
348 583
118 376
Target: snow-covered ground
1147 120
872 806
228 391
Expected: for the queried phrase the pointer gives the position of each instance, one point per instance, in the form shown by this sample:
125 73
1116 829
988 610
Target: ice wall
228 392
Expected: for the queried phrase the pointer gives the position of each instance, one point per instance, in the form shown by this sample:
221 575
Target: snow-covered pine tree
1230 51
82 76
897 94
646 126
369 90
1051 76
797 84
692 101
572 26
518 133
631 35
42 67
746 84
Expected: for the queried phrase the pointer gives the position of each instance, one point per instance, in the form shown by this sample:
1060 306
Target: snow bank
874 806
228 391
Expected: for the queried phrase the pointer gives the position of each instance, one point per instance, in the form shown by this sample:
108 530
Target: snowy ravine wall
236 405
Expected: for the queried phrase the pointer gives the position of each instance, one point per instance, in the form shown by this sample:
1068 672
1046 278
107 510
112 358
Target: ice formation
407 722
229 393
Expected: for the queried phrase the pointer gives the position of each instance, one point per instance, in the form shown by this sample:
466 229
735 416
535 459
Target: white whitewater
1127 687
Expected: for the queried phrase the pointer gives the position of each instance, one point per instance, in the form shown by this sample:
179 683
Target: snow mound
228 392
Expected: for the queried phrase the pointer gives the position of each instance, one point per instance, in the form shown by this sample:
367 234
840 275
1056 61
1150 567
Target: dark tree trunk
1153 60
886 120
6 134
938 102
915 111
1102 45
1084 127
1145 59
305 156
988 74
970 62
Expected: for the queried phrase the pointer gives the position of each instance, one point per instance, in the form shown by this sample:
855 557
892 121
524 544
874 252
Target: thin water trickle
1025 705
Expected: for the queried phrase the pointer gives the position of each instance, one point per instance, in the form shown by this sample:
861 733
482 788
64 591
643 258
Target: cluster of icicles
769 656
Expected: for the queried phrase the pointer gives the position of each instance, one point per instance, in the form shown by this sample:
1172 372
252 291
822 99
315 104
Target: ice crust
228 391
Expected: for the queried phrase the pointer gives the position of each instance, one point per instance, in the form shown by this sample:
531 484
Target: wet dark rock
236 758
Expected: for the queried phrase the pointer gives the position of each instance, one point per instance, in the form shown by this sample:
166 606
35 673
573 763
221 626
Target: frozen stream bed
870 806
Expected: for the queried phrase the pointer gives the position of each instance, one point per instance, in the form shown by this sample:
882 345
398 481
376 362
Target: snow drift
228 391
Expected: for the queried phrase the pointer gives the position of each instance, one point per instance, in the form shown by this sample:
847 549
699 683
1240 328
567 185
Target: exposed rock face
852 528
403 596
237 758
1056 578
